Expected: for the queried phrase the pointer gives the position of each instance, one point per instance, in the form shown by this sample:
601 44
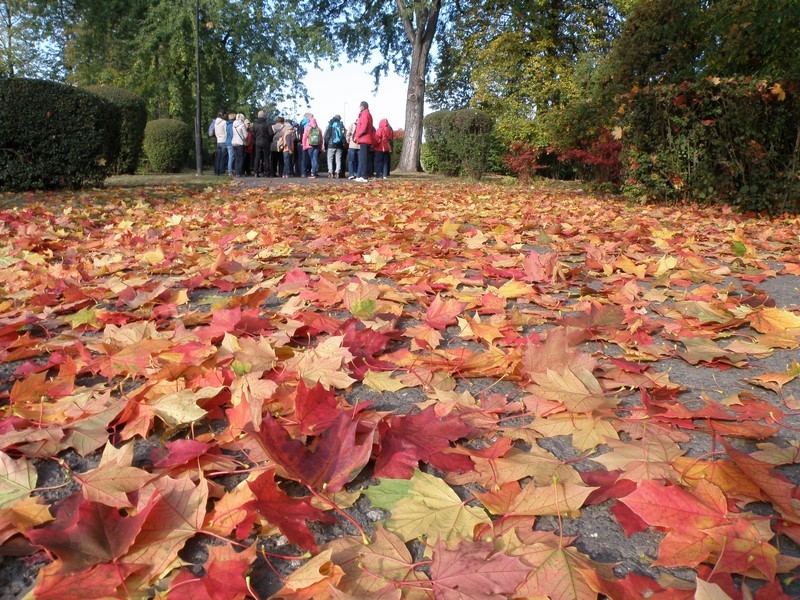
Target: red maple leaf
408 439
474 570
88 533
332 459
288 514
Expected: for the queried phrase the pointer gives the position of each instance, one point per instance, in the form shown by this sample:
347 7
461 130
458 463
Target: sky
339 92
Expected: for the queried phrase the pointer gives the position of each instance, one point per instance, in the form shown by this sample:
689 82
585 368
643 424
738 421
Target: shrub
441 146
166 144
426 159
397 149
54 135
133 114
473 135
459 141
598 160
732 141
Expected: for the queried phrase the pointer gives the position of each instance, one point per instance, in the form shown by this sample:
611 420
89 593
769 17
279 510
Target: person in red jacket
363 135
384 138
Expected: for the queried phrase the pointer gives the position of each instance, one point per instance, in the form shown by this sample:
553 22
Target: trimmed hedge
458 141
166 144
54 135
733 141
441 147
133 113
397 150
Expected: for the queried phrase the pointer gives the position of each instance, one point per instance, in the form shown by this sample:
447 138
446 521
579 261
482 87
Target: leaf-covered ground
409 390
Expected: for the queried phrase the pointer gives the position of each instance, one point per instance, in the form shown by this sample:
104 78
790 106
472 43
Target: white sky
339 92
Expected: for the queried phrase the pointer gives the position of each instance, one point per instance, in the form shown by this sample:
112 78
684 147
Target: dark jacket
329 143
262 132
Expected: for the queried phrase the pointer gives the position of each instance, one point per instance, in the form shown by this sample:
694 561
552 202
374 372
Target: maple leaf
176 514
315 579
17 479
99 582
407 439
577 390
115 477
386 554
474 570
315 408
224 577
335 457
442 313
699 526
554 499
324 364
514 464
93 534
425 506
773 320
556 571
554 352
288 514
248 394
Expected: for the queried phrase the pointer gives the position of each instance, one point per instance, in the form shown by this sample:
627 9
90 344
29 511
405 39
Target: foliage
133 115
252 55
523 160
166 144
397 149
521 62
20 32
443 150
459 141
728 141
670 41
149 398
427 159
54 135
598 160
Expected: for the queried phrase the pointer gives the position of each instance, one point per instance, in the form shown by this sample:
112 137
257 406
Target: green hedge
133 113
458 141
441 145
397 150
54 135
166 144
732 141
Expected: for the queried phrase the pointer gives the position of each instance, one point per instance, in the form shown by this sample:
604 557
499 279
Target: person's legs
331 155
219 162
230 158
363 158
276 169
259 164
337 153
287 164
238 152
352 156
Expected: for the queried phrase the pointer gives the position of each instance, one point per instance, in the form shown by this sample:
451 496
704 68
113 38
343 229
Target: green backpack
314 136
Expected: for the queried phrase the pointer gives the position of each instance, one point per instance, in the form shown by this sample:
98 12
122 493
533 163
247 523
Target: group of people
285 148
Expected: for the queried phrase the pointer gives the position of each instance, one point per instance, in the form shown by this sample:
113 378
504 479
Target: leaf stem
335 507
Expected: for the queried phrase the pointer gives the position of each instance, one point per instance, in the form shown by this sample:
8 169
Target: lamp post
198 142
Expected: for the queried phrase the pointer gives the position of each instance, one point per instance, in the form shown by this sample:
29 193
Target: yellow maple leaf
773 320
382 381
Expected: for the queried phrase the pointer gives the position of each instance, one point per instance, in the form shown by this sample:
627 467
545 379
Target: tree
523 61
402 31
20 32
250 50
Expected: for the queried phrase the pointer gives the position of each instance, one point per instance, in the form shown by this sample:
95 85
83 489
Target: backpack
211 128
337 132
313 136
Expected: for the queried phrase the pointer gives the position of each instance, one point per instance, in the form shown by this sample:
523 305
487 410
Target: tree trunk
421 39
